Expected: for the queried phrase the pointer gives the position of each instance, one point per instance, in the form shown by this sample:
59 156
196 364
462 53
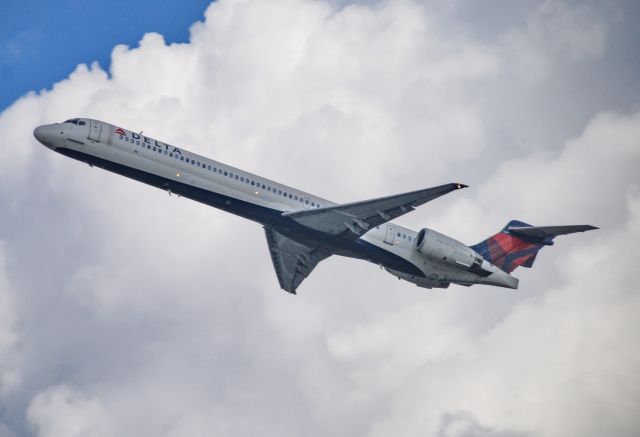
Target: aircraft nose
39 133
45 134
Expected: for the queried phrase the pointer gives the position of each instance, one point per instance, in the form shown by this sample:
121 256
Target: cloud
555 32
60 411
9 355
124 311
551 363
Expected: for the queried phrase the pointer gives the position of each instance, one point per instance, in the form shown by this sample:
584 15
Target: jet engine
440 248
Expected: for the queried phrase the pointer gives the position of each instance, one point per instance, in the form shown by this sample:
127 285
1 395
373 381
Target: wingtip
459 186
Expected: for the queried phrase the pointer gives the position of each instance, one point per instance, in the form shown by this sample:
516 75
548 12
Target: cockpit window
75 121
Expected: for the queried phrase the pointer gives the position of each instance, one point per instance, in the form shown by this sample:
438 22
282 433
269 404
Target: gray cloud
462 424
124 311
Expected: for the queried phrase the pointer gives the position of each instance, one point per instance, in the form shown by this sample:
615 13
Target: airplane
302 229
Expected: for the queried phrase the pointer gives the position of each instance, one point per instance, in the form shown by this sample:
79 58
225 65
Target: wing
357 218
292 261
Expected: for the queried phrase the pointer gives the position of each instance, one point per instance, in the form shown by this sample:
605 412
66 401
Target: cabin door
94 130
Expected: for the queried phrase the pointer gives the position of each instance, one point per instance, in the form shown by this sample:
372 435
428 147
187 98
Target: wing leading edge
292 261
355 219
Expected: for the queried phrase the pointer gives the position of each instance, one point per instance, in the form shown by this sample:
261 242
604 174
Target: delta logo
146 141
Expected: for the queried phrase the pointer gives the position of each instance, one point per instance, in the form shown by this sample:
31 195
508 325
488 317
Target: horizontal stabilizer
518 243
355 219
544 232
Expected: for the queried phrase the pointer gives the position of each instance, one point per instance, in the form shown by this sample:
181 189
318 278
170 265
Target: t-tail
518 243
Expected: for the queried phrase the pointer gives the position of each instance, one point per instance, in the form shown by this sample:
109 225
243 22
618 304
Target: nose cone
44 134
39 133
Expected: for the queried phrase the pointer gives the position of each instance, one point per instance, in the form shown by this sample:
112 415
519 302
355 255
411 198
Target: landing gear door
390 235
94 130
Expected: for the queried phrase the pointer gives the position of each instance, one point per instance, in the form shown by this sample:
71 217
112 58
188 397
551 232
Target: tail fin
518 243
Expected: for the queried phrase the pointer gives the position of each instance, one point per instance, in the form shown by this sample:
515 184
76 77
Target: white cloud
546 369
61 411
9 353
136 313
555 33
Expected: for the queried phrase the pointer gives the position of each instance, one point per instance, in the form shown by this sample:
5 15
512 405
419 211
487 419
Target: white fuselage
202 179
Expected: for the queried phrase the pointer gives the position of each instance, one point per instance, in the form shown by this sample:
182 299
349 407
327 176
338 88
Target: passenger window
236 177
398 234
241 179
252 183
306 201
149 147
170 155
181 158
290 196
208 167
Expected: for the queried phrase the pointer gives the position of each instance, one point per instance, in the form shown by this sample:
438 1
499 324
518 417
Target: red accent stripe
500 245
519 261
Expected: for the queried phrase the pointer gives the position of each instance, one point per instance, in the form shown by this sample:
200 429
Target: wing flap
358 217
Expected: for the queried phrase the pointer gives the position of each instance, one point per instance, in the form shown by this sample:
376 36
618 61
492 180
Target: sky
124 311
42 41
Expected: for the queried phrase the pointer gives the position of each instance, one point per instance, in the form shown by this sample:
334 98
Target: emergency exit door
390 235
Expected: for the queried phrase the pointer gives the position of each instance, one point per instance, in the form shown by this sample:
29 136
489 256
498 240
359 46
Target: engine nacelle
446 250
